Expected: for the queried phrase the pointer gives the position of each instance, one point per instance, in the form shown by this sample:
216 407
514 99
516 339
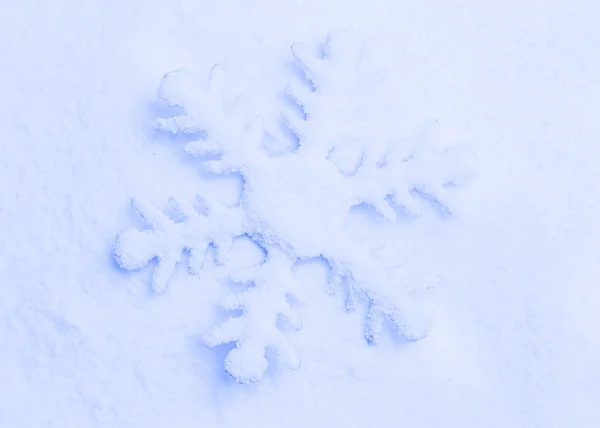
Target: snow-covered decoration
296 204
263 304
166 239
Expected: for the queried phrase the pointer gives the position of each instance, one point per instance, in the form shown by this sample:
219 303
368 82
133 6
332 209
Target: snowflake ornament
296 205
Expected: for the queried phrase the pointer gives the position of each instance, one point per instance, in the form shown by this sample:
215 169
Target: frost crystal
296 204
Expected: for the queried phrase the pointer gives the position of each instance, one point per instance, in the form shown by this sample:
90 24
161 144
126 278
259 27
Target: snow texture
210 110
166 239
296 204
513 343
263 304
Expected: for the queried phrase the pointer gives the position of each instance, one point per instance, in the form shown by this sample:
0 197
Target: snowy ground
512 344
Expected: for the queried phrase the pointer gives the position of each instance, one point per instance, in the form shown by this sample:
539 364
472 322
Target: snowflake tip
289 357
308 62
373 323
182 124
385 210
334 280
131 250
404 200
205 147
217 76
164 273
295 124
225 332
350 300
413 323
216 167
174 88
150 215
246 365
300 95
292 317
196 260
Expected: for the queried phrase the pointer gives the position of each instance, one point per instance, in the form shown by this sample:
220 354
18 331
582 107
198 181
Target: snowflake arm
224 121
244 157
336 124
388 293
165 240
256 329
182 124
424 172
339 115
177 90
342 55
201 109
411 325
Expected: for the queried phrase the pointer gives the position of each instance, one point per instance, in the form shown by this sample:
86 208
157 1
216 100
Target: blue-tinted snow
514 341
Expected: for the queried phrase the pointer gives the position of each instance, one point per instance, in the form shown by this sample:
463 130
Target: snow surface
508 283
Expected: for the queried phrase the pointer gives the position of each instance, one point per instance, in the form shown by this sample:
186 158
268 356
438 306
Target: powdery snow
498 263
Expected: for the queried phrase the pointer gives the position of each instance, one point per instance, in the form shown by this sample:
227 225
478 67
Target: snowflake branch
256 329
165 240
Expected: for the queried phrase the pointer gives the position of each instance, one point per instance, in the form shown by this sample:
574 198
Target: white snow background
513 308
